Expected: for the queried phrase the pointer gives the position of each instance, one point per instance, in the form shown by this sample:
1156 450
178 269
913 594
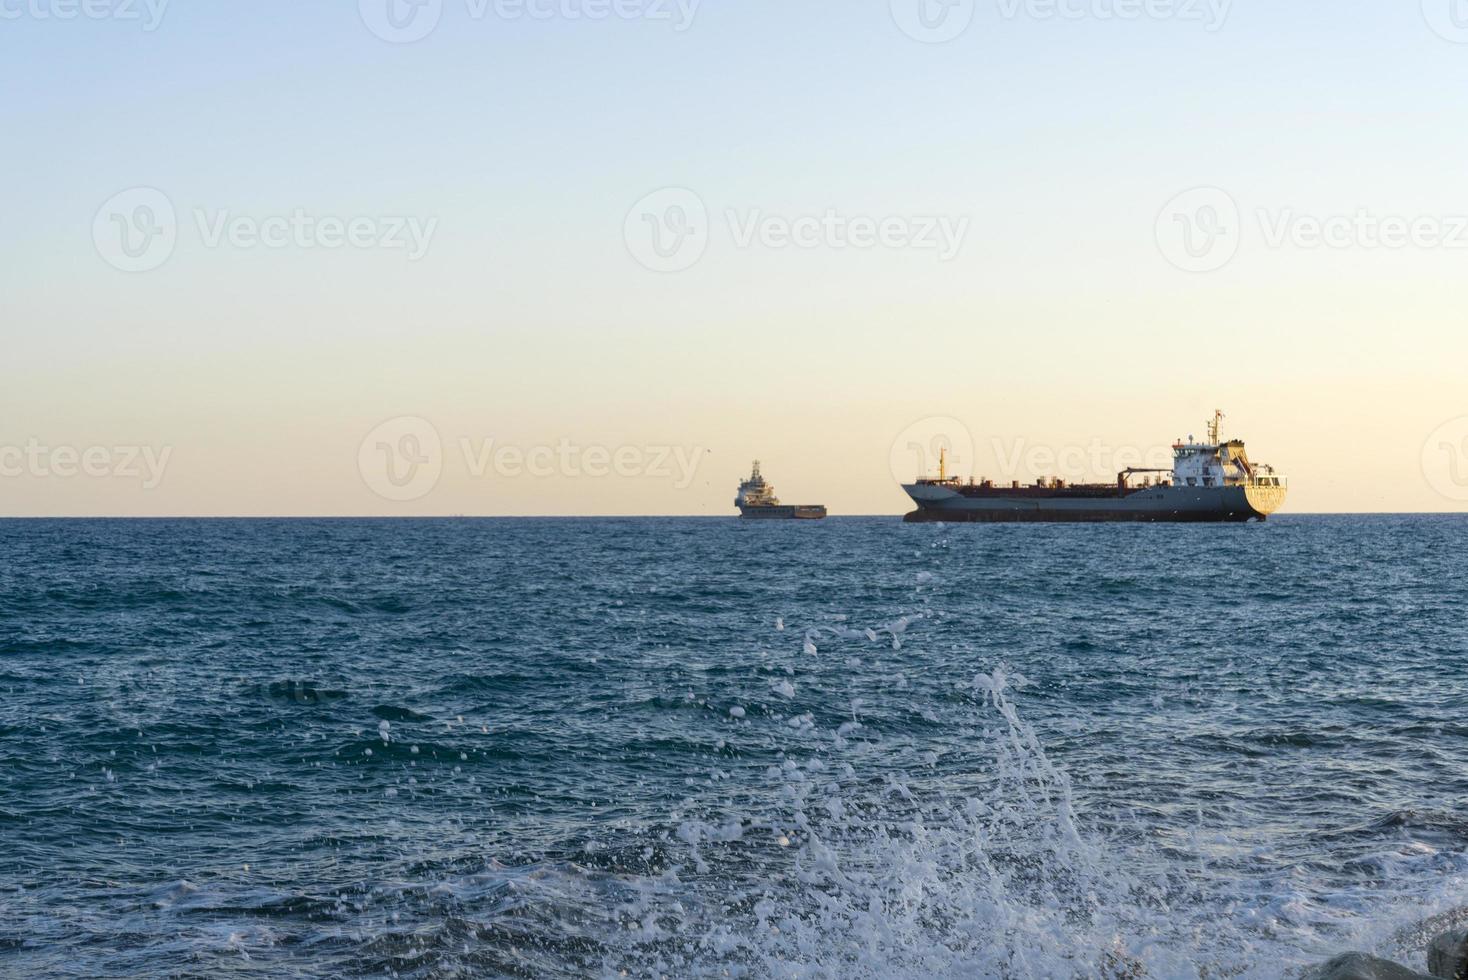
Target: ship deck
1085 491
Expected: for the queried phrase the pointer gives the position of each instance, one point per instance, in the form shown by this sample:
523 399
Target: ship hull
1168 504
783 512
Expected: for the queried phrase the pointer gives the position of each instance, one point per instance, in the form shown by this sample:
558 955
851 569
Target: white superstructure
755 492
1216 463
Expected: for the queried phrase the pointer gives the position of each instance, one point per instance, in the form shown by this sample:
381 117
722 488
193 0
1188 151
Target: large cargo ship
1209 481
757 501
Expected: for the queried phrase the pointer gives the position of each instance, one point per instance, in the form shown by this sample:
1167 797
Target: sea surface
689 748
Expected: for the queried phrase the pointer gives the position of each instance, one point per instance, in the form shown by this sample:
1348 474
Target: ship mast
943 464
1214 426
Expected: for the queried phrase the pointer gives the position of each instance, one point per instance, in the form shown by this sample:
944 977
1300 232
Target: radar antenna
1215 426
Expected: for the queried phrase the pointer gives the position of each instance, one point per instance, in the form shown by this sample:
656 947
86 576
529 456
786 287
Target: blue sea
706 748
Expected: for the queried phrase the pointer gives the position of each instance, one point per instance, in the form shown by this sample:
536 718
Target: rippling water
693 747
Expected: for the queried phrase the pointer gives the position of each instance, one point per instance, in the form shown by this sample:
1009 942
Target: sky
584 257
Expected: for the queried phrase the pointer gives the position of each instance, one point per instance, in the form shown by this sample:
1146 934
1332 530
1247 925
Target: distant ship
757 501
1211 481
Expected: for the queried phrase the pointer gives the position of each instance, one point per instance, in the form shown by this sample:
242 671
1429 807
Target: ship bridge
1216 463
755 492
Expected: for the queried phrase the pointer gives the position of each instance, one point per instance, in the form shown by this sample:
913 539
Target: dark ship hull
783 512
955 503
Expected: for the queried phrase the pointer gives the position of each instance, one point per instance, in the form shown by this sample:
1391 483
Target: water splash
845 873
843 864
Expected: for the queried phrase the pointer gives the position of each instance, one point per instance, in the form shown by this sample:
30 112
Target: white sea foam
844 865
892 631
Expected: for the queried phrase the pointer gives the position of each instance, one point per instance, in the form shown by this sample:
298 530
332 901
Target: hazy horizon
584 258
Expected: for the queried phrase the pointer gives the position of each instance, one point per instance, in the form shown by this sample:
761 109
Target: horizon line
609 517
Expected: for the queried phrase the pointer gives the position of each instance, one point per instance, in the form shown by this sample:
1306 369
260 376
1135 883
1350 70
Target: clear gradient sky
1088 311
